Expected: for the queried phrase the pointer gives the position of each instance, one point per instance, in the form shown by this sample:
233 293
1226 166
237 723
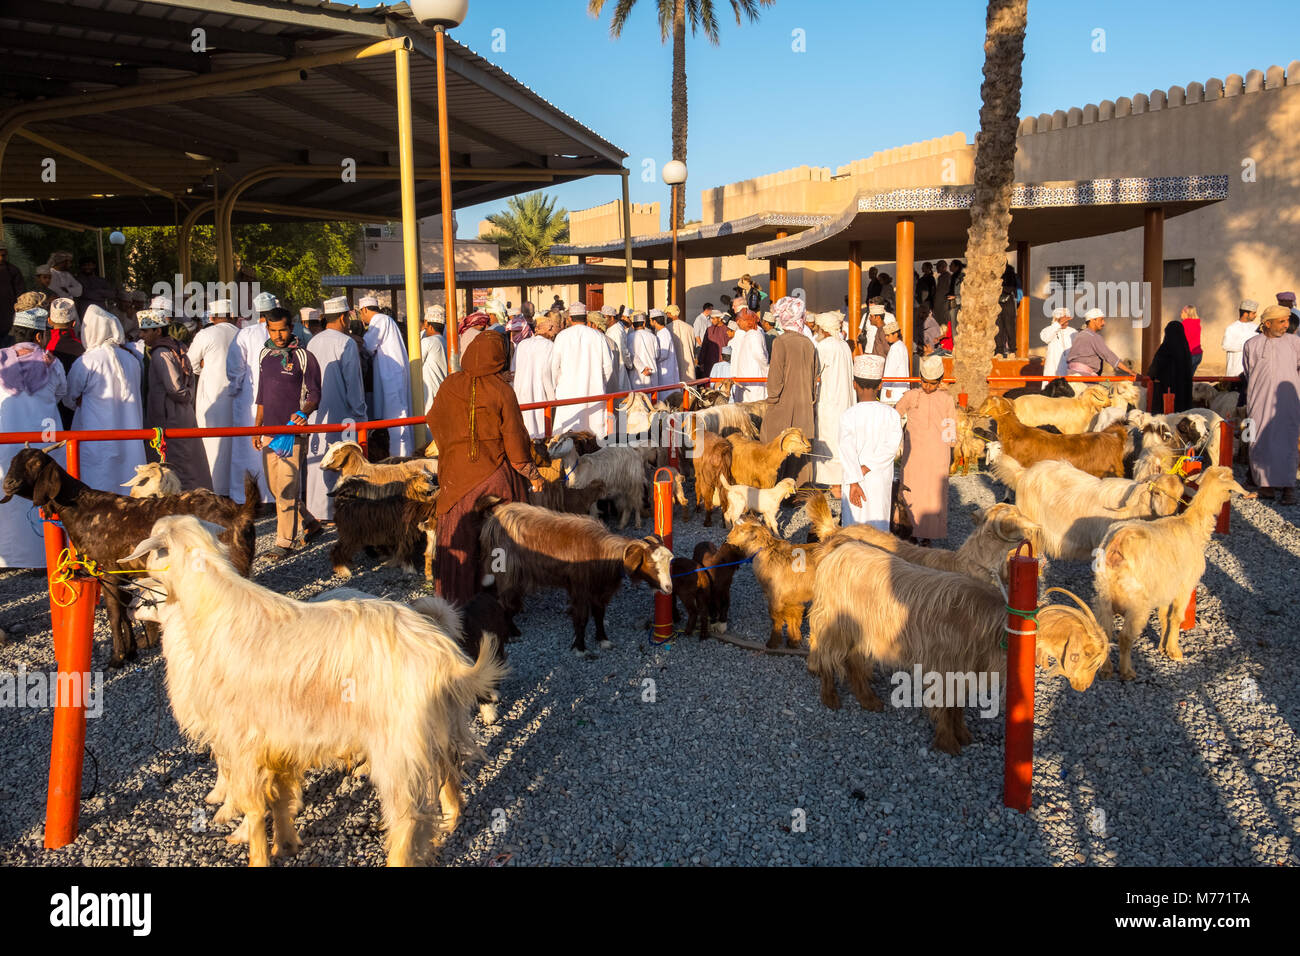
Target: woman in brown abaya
483 449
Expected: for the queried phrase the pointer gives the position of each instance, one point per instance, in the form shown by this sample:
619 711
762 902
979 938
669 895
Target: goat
999 530
1155 565
759 465
1075 510
620 470
347 458
537 549
713 455
579 441
398 517
105 527
1124 397
691 588
765 501
871 606
1158 450
1223 403
256 676
483 621
720 563
1098 453
1070 415
743 418
1196 427
153 480
785 573
970 447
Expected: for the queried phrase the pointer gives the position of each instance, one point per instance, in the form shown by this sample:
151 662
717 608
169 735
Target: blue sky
874 75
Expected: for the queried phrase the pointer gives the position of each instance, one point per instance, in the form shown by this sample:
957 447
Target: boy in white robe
580 366
616 331
1236 335
896 364
870 435
834 397
643 350
667 371
1058 336
433 352
243 370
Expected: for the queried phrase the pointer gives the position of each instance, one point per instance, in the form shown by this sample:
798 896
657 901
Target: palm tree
526 230
990 214
672 18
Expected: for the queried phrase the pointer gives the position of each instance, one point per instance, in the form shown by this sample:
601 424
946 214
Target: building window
1180 273
1065 277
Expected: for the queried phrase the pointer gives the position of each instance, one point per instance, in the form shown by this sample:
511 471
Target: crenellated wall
1245 247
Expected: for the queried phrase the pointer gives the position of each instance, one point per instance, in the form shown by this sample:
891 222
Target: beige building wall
1243 247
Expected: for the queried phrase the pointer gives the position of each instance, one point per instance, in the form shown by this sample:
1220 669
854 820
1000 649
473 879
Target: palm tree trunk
995 156
679 98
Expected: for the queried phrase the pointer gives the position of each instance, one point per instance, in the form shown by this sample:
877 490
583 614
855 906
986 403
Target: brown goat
106 527
691 585
785 572
398 518
721 564
712 463
759 465
1100 454
527 549
349 461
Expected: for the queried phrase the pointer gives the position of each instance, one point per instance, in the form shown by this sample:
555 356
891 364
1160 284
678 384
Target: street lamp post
444 15
117 240
675 176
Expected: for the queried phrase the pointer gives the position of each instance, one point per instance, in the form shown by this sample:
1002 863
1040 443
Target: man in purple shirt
287 390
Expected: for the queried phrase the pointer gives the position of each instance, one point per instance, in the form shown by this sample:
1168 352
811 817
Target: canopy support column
778 275
448 212
855 295
1022 310
650 286
905 284
627 242
410 233
1153 275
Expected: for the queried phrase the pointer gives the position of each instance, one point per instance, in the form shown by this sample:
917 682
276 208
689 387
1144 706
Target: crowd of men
86 357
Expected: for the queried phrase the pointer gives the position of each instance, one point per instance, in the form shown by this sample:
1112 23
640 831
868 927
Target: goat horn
1083 607
55 447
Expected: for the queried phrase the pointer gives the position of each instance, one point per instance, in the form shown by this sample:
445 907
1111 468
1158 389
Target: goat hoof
774 642
831 701
1127 673
215 797
286 847
606 645
343 573
793 644
227 814
115 662
948 745
240 835
488 713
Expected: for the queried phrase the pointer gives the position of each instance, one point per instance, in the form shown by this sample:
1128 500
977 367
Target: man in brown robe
929 434
791 385
173 386
483 449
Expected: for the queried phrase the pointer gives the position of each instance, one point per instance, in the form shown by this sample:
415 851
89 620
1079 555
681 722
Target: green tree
289 258
673 15
526 229
990 213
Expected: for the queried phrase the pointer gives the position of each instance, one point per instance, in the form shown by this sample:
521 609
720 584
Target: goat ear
151 543
48 484
634 554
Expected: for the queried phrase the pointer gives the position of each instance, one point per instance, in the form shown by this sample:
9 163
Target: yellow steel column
410 235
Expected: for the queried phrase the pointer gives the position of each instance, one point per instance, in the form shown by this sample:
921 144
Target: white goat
1155 565
1075 510
622 471
276 686
348 458
1070 415
1198 427
763 501
1124 397
154 479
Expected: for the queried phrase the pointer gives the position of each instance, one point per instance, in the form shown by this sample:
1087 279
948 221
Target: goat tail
820 516
243 530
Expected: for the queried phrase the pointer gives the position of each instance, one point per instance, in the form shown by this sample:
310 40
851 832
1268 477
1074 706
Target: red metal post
963 399
548 416
1018 761
75 623
663 494
1189 616
1169 403
1225 458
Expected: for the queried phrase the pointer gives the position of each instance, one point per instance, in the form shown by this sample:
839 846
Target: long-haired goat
999 530
528 549
105 527
621 471
712 455
1075 510
870 606
1124 397
154 479
1098 453
1071 415
276 686
1155 565
759 465
785 573
398 518
347 458
721 564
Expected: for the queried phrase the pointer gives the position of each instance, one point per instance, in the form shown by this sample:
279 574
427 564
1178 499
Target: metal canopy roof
492 278
54 49
728 238
1041 213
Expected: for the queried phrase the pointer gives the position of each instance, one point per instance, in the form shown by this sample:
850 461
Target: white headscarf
100 330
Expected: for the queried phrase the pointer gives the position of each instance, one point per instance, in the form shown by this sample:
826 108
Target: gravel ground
728 757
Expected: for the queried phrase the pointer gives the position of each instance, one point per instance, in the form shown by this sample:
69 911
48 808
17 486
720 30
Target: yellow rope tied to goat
68 565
